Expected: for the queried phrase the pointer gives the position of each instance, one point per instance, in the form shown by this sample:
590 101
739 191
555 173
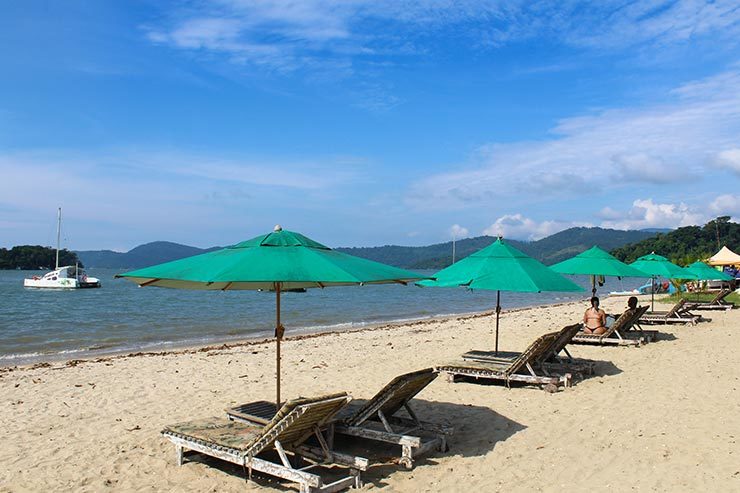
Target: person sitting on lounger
594 320
632 303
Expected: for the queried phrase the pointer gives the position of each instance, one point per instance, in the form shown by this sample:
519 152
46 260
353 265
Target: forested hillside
31 257
549 250
687 244
145 255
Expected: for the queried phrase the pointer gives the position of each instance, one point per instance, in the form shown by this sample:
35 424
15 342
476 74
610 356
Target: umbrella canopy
596 262
658 266
278 261
501 267
706 273
284 257
724 257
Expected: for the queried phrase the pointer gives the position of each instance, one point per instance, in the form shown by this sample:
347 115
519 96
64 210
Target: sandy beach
664 416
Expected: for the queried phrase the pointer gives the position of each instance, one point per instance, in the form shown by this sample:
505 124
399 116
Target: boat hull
61 283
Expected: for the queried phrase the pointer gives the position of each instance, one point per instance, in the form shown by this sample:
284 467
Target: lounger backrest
676 308
637 315
533 353
564 337
297 420
393 396
622 323
720 297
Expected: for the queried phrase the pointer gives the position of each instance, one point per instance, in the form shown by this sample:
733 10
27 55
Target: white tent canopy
724 257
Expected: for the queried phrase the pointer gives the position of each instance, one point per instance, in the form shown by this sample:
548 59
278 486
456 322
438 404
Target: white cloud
457 231
651 145
726 205
643 168
728 159
645 213
519 227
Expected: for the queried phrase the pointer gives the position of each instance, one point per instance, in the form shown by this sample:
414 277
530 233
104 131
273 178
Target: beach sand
664 416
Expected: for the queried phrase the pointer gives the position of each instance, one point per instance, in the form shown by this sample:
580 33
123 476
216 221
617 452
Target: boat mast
59 234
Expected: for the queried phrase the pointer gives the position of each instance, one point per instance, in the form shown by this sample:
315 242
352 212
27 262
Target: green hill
31 257
687 244
145 255
548 250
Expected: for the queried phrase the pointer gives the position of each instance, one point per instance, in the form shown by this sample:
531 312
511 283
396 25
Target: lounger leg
358 479
407 459
179 454
443 443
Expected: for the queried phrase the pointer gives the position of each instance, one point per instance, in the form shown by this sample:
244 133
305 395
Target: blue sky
364 122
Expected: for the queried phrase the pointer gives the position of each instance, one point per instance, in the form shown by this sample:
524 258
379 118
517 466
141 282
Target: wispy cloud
695 130
287 35
329 41
147 193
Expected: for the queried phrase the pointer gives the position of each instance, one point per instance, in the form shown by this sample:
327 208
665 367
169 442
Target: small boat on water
65 277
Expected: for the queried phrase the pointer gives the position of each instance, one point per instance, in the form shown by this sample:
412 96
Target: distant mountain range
548 250
141 256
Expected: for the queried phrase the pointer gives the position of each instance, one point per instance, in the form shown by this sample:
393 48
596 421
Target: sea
50 325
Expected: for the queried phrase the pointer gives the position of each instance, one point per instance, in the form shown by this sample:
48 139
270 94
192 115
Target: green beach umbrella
278 261
658 266
501 267
596 262
706 273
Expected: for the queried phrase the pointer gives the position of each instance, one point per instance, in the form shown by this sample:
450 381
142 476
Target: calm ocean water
44 325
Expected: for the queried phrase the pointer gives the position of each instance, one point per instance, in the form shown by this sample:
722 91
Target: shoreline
94 356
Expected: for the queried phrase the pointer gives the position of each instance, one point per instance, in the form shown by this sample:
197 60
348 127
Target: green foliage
685 245
31 257
702 296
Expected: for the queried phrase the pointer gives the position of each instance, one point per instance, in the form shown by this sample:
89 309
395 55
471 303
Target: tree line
32 257
686 245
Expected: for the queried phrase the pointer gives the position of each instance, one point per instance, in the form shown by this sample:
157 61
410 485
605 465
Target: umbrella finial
277 228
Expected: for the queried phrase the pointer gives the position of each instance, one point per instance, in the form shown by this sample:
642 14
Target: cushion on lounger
218 431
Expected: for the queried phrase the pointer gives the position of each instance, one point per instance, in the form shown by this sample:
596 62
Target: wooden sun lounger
678 314
286 433
550 357
718 303
377 419
511 367
623 332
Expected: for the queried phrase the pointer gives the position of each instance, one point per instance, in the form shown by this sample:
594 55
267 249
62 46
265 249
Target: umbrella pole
652 294
498 311
278 336
593 286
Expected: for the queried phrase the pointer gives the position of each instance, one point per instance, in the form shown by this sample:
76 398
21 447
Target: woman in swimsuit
594 320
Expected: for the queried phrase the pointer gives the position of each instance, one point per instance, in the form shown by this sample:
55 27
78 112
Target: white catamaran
65 277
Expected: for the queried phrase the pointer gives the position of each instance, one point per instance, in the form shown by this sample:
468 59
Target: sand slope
659 417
